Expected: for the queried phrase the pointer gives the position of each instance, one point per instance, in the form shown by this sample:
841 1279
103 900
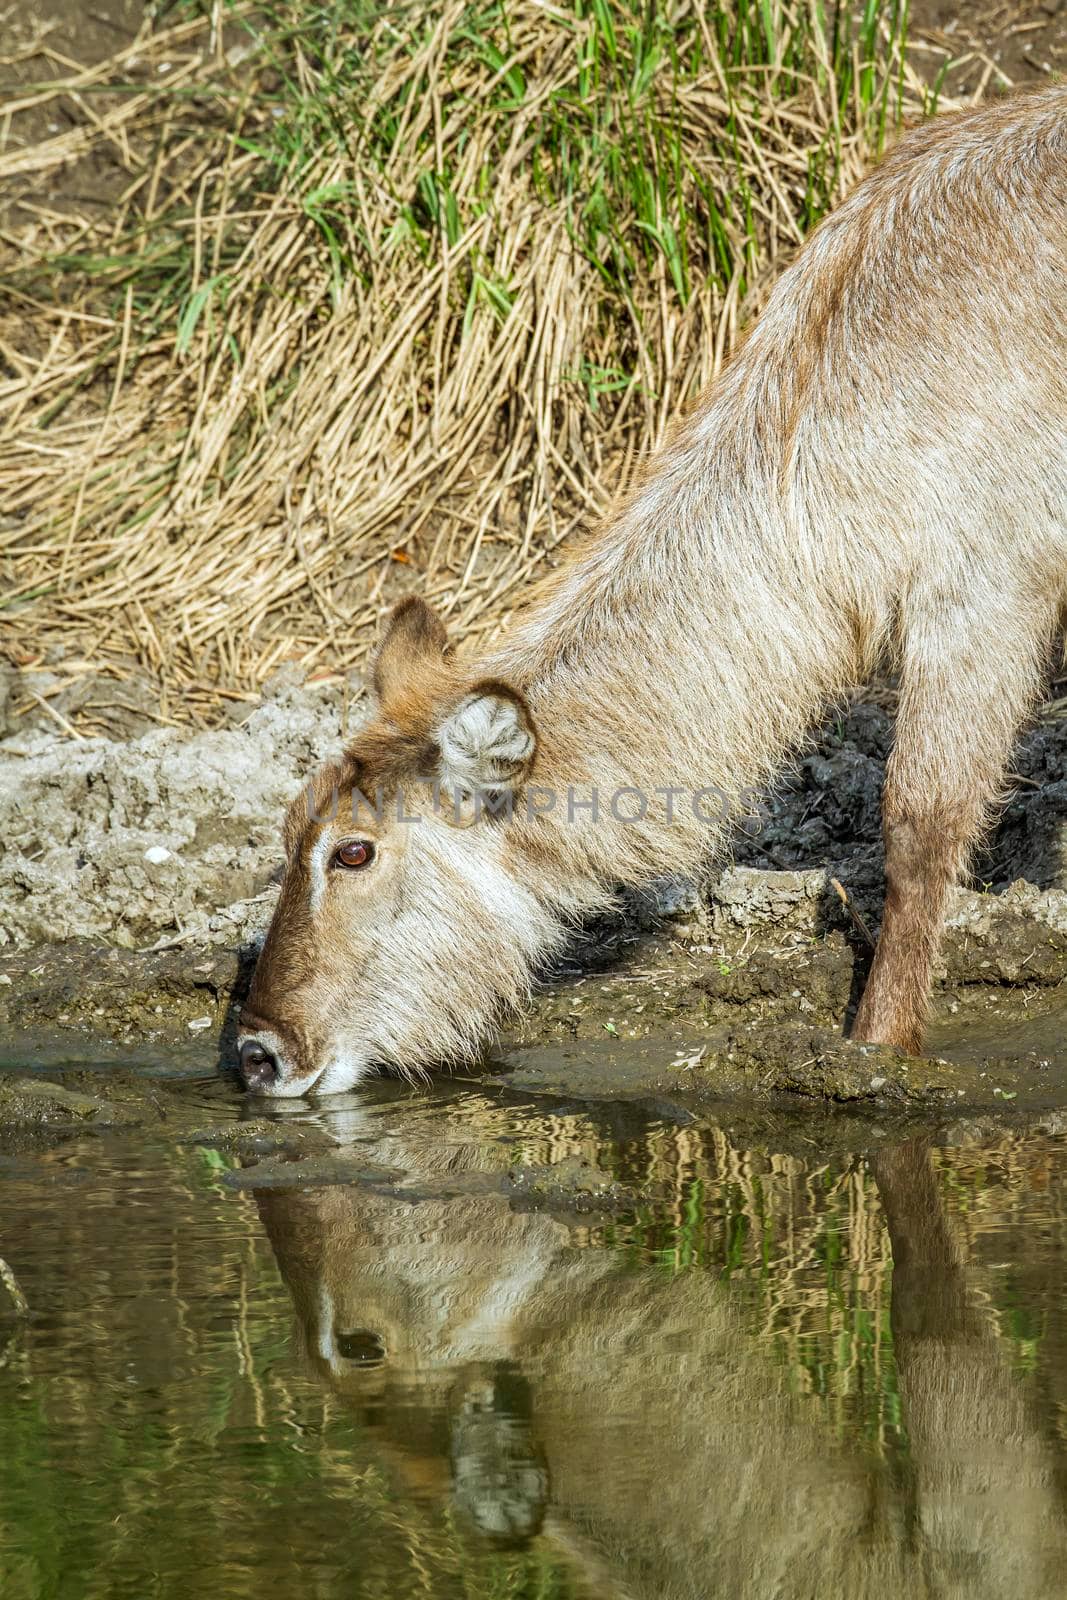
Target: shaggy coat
880 471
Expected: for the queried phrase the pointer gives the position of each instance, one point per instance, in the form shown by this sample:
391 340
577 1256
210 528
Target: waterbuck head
405 923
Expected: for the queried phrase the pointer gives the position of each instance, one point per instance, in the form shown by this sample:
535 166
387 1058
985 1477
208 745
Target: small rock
257 1138
28 1102
198 1024
157 854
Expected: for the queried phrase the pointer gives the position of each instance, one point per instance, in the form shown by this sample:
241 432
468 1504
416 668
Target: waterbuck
880 471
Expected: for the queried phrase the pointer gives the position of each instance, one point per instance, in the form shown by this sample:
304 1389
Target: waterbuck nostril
258 1066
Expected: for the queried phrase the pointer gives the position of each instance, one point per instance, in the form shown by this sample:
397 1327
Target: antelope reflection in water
630 1418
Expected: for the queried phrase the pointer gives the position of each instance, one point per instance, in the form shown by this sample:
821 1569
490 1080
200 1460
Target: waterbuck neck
678 658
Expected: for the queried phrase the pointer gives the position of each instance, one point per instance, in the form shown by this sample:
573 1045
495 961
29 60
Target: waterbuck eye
354 853
362 1346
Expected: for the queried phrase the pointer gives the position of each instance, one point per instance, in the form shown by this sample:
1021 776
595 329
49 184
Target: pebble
198 1024
157 854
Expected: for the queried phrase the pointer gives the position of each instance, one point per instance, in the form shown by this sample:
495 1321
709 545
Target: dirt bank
752 1016
136 878
162 837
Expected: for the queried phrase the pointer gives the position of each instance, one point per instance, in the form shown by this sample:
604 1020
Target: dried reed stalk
406 321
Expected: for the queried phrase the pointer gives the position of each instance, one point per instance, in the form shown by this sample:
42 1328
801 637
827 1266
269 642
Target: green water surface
547 1351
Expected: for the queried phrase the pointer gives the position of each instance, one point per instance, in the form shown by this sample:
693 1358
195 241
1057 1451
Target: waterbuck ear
412 660
488 741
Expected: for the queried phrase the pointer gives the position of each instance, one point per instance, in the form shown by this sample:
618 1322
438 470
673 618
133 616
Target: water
536 1351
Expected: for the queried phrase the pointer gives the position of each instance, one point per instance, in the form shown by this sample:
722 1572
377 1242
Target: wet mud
675 1029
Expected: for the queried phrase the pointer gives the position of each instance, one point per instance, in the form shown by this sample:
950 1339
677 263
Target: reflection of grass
1020 1323
158 1430
203 1495
805 1250
806 1254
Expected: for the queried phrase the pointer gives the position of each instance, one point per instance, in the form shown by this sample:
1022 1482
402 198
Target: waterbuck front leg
924 851
964 694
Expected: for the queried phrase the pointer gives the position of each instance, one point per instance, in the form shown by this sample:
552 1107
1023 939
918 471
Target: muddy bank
159 839
136 879
740 1017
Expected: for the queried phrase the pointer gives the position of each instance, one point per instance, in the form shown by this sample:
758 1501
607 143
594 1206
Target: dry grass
393 298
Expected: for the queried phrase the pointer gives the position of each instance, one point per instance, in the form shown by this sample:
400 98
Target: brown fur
882 470
413 671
